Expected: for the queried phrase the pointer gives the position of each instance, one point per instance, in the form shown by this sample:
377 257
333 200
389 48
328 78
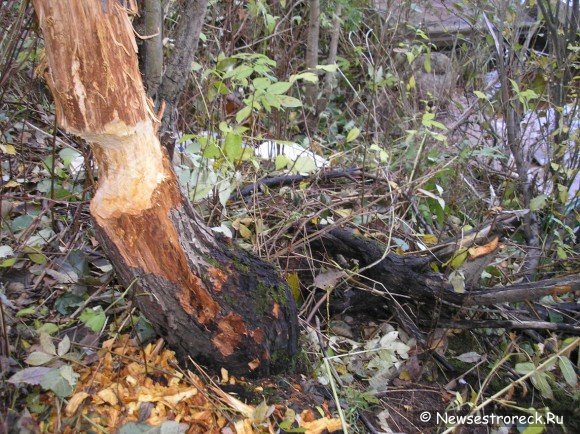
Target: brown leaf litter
129 384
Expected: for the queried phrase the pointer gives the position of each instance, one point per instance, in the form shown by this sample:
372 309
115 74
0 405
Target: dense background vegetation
411 123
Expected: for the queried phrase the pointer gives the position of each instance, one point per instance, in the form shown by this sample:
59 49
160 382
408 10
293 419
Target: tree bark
311 89
153 46
330 77
208 299
179 66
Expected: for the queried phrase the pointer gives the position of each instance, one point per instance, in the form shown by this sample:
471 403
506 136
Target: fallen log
411 276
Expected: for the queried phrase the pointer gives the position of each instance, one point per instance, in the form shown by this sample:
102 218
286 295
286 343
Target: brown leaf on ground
126 389
476 252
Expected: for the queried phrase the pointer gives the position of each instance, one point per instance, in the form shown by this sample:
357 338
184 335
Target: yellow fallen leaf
319 426
343 212
225 375
8 149
429 239
74 402
11 184
166 396
178 397
244 427
245 232
108 396
294 284
405 376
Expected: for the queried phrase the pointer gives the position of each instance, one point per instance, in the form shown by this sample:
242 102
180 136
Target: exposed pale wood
208 299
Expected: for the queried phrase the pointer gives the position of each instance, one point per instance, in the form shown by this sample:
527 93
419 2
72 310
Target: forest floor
79 358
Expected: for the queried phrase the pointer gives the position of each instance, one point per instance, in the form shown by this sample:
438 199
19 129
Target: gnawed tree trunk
209 300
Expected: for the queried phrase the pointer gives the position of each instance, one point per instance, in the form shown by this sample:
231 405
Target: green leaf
54 380
243 113
211 150
288 101
47 344
304 164
244 231
525 368
221 88
69 374
48 328
67 155
67 302
63 346
309 77
281 162
538 202
279 88
27 311
540 382
37 358
427 63
93 318
429 121
427 118
37 258
561 253
534 429
333 67
567 369
21 222
562 193
8 149
8 262
233 146
145 330
186 137
240 72
261 83
270 22
352 134
286 425
458 259
480 95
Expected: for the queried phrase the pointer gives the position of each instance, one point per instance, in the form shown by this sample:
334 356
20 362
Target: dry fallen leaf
108 396
74 402
244 427
236 404
321 425
476 252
